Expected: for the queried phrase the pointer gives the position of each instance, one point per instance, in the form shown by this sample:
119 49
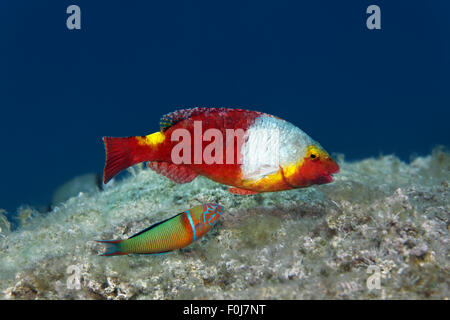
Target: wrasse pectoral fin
199 227
241 192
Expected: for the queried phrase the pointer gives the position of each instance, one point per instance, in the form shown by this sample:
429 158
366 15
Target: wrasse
174 233
270 154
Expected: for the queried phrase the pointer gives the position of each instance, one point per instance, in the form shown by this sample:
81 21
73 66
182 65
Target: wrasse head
217 208
317 167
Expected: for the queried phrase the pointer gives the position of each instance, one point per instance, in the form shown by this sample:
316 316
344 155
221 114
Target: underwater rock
25 214
86 183
381 217
5 225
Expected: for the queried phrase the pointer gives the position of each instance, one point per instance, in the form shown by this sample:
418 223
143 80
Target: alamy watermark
374 281
74 20
260 147
73 281
374 20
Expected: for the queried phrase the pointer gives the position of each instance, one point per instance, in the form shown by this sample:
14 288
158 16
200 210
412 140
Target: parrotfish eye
313 152
314 155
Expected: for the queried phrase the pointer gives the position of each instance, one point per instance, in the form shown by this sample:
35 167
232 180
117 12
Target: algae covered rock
5 225
87 183
380 231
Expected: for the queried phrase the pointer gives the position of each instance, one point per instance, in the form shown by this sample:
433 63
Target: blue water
314 63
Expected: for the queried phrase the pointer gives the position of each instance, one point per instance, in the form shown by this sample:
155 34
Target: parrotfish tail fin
122 153
113 247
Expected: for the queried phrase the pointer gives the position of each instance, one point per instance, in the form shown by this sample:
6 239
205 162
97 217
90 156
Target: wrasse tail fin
241 192
112 247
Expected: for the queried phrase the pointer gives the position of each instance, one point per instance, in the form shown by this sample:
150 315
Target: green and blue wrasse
171 234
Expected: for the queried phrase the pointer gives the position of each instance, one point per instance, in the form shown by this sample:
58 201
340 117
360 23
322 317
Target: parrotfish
248 150
171 234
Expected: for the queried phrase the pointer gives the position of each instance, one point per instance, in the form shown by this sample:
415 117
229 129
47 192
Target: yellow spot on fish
265 182
291 169
151 139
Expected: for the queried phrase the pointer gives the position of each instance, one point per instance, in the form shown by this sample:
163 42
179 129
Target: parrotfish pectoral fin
241 192
112 247
176 173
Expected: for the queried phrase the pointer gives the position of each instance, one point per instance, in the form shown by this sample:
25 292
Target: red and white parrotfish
174 233
270 154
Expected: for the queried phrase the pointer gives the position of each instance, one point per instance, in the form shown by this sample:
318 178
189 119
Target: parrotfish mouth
326 178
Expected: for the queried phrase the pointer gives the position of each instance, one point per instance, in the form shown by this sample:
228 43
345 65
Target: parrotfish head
316 167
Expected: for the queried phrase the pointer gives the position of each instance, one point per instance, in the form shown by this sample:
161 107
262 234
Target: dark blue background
314 63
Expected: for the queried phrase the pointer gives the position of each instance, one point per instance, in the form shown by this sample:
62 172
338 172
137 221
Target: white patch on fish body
270 143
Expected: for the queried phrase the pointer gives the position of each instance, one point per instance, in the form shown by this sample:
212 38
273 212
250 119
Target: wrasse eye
314 156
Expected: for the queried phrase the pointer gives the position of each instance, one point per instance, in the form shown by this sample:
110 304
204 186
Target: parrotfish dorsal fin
172 118
176 173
